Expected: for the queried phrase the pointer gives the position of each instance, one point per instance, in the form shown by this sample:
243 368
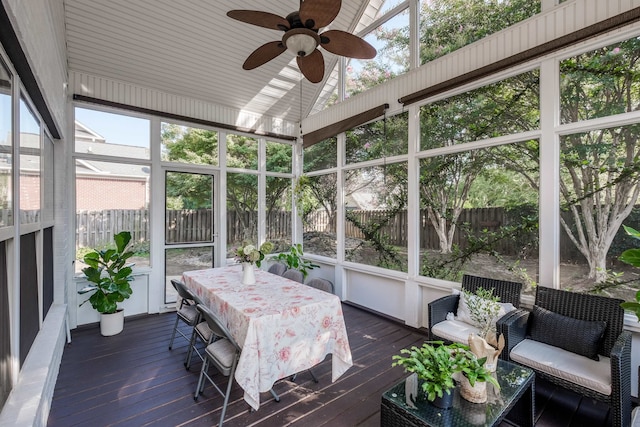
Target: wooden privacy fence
96 228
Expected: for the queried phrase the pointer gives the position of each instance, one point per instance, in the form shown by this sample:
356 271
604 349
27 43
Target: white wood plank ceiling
192 49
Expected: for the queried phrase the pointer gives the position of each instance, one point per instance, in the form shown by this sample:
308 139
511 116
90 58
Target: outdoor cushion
577 336
454 330
594 375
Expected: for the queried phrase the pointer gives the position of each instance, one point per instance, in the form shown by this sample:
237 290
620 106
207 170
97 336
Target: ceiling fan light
301 44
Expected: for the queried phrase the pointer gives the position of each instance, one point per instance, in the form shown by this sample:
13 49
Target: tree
508 106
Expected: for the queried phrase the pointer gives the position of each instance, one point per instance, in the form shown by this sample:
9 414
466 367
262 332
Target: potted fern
109 275
434 364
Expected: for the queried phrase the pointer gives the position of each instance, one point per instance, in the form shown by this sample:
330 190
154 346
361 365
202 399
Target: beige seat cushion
454 330
592 374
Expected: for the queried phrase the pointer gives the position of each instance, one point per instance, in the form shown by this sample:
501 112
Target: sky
115 128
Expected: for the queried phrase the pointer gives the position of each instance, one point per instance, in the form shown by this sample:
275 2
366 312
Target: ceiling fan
301 36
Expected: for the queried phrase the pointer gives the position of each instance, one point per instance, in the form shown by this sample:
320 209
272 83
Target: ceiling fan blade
263 54
321 12
346 44
312 66
261 19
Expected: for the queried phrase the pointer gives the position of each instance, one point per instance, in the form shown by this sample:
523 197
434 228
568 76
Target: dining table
282 326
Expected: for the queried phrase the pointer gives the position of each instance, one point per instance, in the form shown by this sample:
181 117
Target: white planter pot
112 324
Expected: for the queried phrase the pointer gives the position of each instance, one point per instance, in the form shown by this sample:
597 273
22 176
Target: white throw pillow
464 315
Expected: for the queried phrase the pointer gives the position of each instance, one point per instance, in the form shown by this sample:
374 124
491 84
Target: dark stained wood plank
133 379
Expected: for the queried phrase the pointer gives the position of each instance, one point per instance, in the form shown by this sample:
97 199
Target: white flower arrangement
249 253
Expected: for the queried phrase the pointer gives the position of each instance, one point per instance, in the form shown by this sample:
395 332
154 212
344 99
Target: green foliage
448 25
483 308
632 257
294 260
451 266
435 363
110 274
473 368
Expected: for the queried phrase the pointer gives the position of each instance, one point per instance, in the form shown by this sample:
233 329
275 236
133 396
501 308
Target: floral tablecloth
283 327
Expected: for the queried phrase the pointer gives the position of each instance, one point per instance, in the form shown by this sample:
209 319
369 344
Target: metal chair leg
173 334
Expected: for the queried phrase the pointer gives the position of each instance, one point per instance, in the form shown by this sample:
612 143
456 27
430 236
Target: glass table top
513 380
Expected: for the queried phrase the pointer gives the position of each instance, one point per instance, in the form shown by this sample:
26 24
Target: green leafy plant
294 260
632 257
434 363
473 368
109 275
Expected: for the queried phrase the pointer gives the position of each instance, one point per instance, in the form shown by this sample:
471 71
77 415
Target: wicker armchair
615 344
508 292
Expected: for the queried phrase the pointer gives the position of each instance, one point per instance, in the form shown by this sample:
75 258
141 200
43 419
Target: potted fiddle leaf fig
109 275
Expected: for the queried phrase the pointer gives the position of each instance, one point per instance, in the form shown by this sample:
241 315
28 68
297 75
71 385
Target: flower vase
248 275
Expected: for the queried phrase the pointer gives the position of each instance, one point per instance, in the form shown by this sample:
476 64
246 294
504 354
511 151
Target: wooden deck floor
132 379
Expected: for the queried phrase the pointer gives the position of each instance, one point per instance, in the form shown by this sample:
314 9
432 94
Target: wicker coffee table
515 401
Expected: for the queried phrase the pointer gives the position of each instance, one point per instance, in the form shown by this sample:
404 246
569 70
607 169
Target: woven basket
475 394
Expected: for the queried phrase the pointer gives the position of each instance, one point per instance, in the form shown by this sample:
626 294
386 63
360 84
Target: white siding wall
137 96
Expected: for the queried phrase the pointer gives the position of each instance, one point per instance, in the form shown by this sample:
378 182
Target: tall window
478 214
6 148
191 145
111 196
447 25
392 58
30 161
599 175
279 220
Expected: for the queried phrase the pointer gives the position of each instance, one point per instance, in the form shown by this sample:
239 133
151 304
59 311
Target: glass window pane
387 5
242 152
6 148
599 193
279 220
447 25
382 138
601 83
47 180
108 134
30 156
179 260
323 155
189 207
279 157
507 107
242 210
186 144
391 41
316 201
485 221
376 216
110 198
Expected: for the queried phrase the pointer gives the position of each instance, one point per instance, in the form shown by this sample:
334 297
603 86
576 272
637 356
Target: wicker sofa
576 341
453 330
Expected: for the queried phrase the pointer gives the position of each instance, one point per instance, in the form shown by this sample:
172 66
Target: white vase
112 324
248 275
